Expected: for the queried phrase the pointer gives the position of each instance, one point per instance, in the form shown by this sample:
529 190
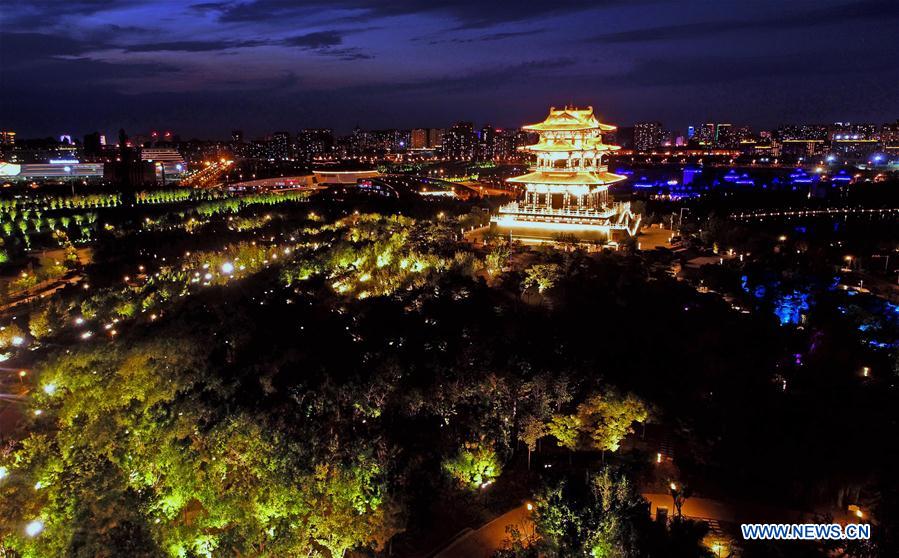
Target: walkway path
485 541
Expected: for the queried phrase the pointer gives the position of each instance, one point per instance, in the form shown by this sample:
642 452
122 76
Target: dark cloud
466 13
480 38
319 39
321 42
327 43
877 10
701 70
347 54
17 48
193 46
44 13
83 74
82 65
510 76
209 6
39 59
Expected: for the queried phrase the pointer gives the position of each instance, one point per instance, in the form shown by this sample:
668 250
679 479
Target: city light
471 294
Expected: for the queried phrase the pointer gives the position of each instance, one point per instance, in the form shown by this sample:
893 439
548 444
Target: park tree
566 429
606 418
498 258
474 465
135 454
40 322
532 430
542 276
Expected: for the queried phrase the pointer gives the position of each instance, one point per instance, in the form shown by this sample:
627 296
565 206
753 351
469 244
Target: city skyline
207 68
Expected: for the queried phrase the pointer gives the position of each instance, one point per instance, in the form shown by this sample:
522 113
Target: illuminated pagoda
567 192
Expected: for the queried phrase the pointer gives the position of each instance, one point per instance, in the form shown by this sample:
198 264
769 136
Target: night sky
202 69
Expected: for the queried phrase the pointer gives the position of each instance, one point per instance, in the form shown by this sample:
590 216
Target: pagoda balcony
585 168
534 212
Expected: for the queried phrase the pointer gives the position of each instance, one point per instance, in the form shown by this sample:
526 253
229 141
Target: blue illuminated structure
643 182
731 176
745 180
799 176
691 172
842 177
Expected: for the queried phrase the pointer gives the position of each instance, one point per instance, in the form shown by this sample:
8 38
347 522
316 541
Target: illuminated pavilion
567 191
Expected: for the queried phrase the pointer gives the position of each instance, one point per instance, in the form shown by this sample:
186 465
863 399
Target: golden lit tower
567 192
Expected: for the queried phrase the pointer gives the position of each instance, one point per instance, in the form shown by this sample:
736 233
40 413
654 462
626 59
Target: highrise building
504 145
435 137
418 138
647 136
237 136
486 143
724 135
707 134
93 146
459 142
7 137
889 136
802 140
567 192
313 143
280 146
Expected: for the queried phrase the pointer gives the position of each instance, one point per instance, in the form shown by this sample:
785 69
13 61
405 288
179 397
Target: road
654 237
485 541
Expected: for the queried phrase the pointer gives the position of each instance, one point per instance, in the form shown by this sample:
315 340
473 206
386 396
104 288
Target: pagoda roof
569 119
554 146
568 178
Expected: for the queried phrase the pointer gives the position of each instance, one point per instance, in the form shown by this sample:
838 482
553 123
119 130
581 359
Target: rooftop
570 119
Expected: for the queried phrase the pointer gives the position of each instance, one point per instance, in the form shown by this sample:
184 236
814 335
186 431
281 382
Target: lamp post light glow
4 472
228 268
50 389
34 528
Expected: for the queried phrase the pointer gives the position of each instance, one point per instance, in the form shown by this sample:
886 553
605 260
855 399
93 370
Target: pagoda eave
568 178
568 148
561 127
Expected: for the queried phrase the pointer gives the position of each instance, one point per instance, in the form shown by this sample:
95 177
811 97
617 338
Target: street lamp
34 528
